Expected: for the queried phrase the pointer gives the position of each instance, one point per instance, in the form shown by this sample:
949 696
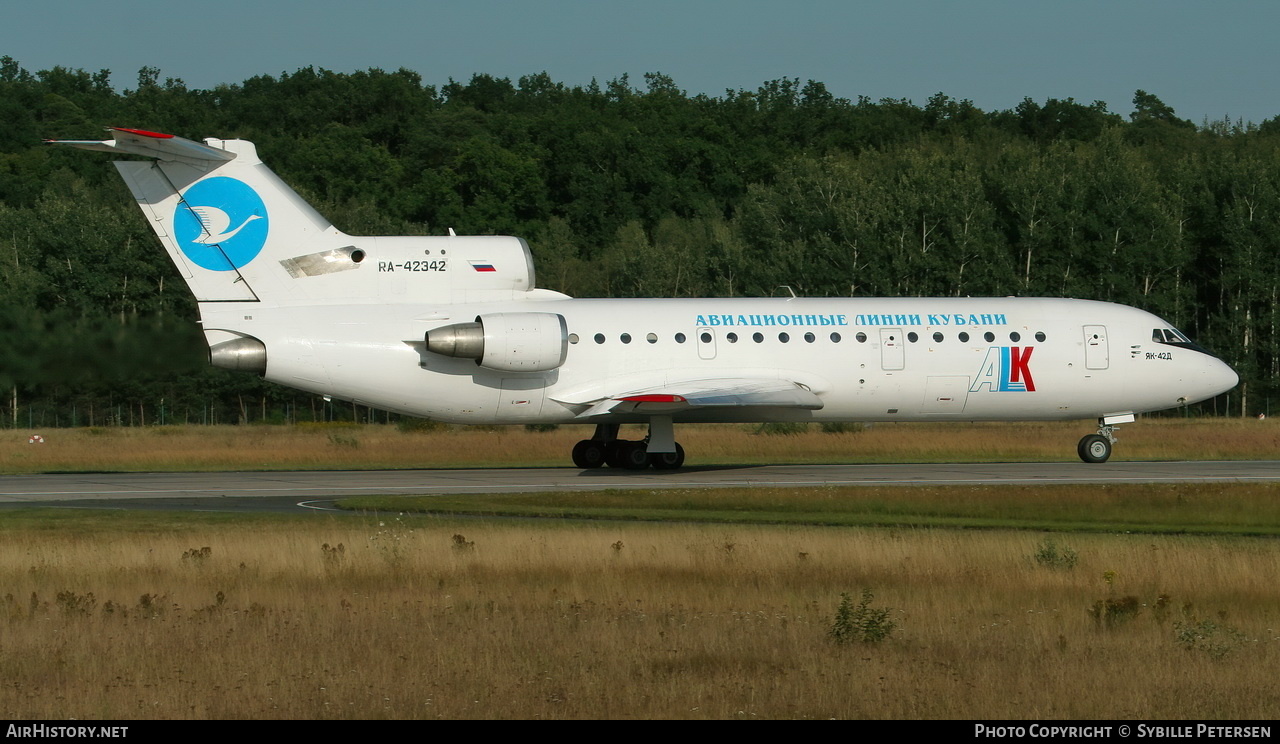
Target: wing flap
718 393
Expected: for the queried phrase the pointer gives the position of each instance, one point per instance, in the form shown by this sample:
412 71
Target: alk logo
220 224
1005 370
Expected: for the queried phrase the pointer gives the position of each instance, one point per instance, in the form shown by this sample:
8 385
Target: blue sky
1204 59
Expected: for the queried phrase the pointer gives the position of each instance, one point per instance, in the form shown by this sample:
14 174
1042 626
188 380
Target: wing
678 397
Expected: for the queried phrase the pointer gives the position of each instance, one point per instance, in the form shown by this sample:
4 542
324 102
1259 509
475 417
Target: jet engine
244 354
507 342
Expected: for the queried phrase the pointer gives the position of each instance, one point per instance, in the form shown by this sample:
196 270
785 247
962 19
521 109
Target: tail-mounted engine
508 342
244 354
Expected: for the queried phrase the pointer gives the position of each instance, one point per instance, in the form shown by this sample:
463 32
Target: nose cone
1221 377
1214 378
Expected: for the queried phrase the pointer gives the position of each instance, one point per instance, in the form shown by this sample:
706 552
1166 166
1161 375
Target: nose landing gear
1097 447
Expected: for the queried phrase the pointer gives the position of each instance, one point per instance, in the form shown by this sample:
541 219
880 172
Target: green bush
1210 637
1048 554
861 624
413 425
782 428
1111 613
841 427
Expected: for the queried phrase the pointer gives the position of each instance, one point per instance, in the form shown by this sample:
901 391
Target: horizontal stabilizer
164 147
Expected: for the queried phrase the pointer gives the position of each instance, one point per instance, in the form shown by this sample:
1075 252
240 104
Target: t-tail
237 233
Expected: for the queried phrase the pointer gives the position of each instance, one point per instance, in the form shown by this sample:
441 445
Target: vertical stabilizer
226 220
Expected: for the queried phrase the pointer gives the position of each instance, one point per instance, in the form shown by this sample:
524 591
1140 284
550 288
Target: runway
274 491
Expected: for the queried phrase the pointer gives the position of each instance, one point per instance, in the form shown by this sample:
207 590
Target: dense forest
630 190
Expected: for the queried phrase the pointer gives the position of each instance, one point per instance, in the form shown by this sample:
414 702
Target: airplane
452 328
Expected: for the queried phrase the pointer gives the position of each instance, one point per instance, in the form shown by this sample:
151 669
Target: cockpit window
1172 337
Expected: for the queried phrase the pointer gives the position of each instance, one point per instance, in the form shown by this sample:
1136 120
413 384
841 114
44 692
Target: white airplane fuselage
883 359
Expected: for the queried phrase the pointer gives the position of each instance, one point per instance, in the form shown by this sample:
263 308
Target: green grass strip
1216 509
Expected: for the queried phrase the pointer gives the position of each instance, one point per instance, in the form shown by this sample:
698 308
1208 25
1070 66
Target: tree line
628 190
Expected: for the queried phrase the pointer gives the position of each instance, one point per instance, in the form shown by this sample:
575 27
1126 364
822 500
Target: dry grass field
320 446
140 615
126 617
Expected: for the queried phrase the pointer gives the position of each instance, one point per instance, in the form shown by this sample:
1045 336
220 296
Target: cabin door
891 349
1096 354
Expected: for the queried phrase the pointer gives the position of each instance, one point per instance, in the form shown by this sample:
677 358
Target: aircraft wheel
632 455
589 453
667 460
1094 448
613 453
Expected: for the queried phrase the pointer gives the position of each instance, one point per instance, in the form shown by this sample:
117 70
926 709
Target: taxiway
310 489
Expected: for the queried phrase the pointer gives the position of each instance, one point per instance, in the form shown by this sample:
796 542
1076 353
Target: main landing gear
1097 447
604 448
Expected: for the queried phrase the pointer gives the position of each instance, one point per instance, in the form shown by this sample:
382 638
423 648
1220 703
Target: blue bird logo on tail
221 224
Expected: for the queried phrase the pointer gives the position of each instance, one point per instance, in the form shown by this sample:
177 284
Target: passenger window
1015 337
625 338
937 338
757 337
599 338
989 336
706 337
651 338
679 338
913 337
732 337
573 338
810 338
783 337
964 337
1040 336
862 337
835 338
